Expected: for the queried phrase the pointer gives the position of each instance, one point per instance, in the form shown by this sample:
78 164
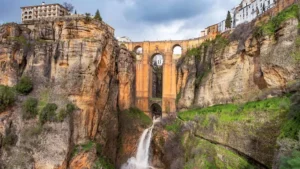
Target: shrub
87 18
29 108
62 114
7 97
70 108
291 162
48 113
102 163
25 85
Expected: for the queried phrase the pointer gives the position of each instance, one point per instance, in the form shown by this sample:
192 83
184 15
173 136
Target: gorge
71 97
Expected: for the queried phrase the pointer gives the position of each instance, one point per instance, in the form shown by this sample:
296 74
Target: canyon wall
245 69
69 61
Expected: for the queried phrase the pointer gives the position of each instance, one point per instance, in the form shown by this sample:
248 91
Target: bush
62 114
87 18
25 85
29 108
48 113
70 108
102 163
291 162
7 97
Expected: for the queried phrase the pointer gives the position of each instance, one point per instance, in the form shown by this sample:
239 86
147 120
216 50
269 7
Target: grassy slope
203 154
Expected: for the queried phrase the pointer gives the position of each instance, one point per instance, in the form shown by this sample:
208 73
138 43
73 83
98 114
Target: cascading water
141 160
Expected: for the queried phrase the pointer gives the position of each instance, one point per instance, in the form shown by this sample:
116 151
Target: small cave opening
156 110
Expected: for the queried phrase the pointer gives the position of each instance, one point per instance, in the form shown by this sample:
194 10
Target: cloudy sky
141 19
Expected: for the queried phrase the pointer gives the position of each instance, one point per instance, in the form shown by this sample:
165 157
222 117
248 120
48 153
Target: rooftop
42 5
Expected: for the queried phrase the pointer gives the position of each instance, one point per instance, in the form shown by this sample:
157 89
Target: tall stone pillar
169 85
142 82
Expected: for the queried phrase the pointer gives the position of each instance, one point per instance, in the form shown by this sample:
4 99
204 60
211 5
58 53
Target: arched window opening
177 50
138 50
157 75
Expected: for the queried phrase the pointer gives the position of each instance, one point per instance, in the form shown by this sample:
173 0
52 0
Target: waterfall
141 160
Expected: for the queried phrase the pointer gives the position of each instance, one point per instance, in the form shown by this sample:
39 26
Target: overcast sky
141 19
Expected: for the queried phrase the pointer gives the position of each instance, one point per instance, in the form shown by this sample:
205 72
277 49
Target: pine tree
75 12
228 20
98 16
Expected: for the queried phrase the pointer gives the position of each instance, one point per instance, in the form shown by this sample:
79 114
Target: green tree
75 12
98 16
228 20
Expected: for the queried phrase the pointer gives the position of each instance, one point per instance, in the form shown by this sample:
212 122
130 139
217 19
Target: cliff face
238 68
244 69
70 60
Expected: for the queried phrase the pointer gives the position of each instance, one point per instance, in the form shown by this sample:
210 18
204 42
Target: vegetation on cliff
200 153
101 162
291 162
270 27
232 112
7 97
29 108
25 85
291 126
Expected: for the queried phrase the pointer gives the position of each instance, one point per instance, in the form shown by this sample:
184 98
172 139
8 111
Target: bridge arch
138 49
156 110
177 49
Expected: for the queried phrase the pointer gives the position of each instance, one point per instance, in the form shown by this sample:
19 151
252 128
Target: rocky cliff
239 68
226 89
74 61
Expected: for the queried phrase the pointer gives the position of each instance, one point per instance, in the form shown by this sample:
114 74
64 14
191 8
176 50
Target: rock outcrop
240 71
69 60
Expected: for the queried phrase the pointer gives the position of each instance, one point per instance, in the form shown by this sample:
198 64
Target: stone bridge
145 51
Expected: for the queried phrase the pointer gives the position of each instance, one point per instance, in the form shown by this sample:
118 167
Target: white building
204 32
123 39
250 9
43 11
221 26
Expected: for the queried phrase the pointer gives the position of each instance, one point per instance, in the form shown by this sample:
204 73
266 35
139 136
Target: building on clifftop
30 13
